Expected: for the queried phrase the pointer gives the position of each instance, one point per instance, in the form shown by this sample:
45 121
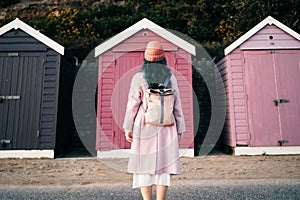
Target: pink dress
154 149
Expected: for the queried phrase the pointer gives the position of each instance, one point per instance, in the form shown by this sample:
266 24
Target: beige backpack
160 105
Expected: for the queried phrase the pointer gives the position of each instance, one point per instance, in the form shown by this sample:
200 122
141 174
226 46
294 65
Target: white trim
125 153
267 21
287 150
119 153
27 154
144 24
18 24
186 152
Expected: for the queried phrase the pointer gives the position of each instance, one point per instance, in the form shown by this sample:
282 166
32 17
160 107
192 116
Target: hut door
273 97
125 67
20 98
287 63
261 89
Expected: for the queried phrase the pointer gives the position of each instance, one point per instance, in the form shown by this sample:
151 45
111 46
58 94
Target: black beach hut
36 80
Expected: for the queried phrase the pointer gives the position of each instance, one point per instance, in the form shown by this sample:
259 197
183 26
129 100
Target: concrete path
204 189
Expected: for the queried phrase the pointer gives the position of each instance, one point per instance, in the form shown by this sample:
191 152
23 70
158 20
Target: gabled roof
267 21
144 24
18 24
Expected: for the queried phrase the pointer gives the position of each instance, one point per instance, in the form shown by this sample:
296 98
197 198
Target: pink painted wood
271 37
264 125
115 72
273 76
287 65
263 68
126 66
229 127
238 112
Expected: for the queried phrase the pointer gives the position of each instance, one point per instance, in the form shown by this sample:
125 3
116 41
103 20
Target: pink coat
154 149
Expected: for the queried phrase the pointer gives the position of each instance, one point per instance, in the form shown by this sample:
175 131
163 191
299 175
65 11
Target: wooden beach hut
262 75
36 82
119 58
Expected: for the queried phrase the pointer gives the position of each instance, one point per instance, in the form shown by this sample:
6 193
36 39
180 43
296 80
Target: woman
154 149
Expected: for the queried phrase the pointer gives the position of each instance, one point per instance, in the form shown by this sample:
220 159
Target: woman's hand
180 135
128 136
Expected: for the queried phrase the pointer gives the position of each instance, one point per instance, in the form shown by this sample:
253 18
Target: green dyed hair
156 72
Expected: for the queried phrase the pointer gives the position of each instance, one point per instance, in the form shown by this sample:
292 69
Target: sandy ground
83 171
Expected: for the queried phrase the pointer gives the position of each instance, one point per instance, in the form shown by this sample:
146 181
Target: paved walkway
206 189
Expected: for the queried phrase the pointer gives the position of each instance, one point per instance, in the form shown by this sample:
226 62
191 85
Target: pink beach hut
262 76
119 58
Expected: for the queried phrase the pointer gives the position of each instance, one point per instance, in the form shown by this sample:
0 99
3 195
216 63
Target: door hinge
4 141
282 142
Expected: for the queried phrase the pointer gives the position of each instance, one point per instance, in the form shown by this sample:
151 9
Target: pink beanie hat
154 51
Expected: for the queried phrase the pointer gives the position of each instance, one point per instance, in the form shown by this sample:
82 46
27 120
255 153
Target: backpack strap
161 91
162 105
162 109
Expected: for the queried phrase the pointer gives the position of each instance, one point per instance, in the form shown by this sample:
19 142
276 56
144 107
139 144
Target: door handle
278 101
2 98
284 100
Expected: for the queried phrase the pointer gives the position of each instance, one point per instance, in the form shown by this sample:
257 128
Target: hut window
145 34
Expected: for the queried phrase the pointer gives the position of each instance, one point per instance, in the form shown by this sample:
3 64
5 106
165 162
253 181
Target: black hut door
21 78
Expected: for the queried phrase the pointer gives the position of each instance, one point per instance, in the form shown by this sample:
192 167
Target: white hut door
287 65
263 117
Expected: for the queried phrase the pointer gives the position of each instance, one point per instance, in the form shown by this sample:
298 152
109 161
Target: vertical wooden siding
20 76
127 65
19 41
273 76
264 124
287 65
